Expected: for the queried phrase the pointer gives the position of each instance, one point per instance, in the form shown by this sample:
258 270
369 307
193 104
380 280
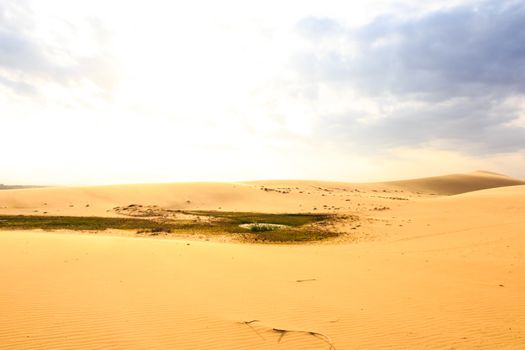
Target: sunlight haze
106 92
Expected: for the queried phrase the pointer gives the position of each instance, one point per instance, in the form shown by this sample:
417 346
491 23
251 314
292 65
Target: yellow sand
451 277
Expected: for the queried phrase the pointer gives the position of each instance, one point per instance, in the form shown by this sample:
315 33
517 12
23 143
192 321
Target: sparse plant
262 228
267 227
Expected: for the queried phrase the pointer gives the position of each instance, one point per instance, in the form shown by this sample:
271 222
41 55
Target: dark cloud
461 65
479 47
471 125
26 59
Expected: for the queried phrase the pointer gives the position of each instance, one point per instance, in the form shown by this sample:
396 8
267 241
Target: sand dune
441 272
458 183
262 196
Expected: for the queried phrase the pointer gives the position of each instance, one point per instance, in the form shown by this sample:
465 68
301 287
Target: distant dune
262 196
16 187
458 183
423 270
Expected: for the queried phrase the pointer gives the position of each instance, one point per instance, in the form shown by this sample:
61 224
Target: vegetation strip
296 227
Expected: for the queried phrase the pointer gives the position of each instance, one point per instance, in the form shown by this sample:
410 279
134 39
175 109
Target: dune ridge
458 183
262 196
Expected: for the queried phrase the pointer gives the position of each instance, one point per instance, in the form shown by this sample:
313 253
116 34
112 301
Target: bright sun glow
104 92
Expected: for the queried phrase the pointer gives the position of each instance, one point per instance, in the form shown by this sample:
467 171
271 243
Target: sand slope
451 277
458 183
261 196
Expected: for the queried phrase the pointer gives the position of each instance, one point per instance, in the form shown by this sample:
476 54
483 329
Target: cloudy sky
107 91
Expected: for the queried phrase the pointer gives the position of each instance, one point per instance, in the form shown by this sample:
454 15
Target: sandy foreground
440 268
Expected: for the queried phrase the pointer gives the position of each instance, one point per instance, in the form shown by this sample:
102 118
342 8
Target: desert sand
436 263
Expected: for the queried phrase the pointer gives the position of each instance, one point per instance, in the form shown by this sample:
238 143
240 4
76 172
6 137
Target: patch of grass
265 218
77 223
298 226
292 235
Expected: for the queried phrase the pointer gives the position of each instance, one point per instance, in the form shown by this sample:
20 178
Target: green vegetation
266 218
291 235
261 228
297 227
78 223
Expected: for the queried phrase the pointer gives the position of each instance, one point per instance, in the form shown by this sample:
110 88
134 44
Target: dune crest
262 196
458 183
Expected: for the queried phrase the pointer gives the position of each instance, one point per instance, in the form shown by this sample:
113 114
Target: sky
103 92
